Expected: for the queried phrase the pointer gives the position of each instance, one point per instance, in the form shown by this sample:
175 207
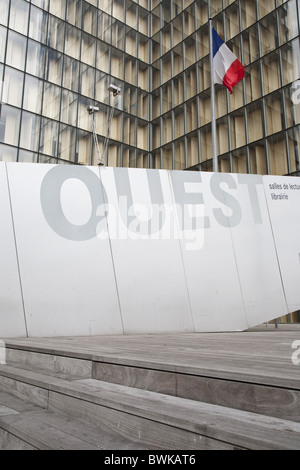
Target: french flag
228 70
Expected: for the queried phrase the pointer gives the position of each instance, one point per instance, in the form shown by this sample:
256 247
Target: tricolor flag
228 70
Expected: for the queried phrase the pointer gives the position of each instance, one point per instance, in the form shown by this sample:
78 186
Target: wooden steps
72 394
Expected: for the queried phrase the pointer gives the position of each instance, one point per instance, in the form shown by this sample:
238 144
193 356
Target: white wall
90 250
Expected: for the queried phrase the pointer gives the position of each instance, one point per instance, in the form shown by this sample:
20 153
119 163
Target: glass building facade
58 57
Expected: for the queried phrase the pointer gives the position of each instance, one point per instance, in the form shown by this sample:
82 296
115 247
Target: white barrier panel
12 319
68 284
283 198
118 251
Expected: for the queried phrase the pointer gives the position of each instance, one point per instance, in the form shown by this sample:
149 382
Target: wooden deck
168 391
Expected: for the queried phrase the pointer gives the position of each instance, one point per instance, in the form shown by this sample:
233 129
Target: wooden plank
10 442
259 356
143 432
273 401
33 428
59 365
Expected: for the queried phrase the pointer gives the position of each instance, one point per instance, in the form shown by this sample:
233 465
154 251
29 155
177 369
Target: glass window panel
288 22
100 122
274 113
18 18
190 51
239 161
51 101
253 83
74 12
8 154
250 45
38 25
216 6
177 32
130 69
143 47
188 21
167 128
166 93
102 84
118 10
277 155
2 43
142 104
265 7
294 148
130 42
33 92
292 100
89 18
56 32
35 59
83 147
70 74
178 59
115 128
16 50
203 42
88 49
238 130
232 21
220 101
224 164
191 115
290 62
27 157
104 26
258 161
222 135
69 107
4 11
53 68
131 14
192 150
67 143
179 155
204 74
13 87
1 81
105 5
30 131
179 122
205 108
206 143
9 125
72 42
87 81
268 31
57 8
49 137
167 157
254 122
84 119
236 99
271 71
102 59
143 21
41 3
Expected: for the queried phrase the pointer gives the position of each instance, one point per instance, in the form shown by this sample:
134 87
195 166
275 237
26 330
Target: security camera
114 89
93 109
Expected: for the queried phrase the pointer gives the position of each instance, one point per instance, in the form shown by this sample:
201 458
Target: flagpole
213 112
